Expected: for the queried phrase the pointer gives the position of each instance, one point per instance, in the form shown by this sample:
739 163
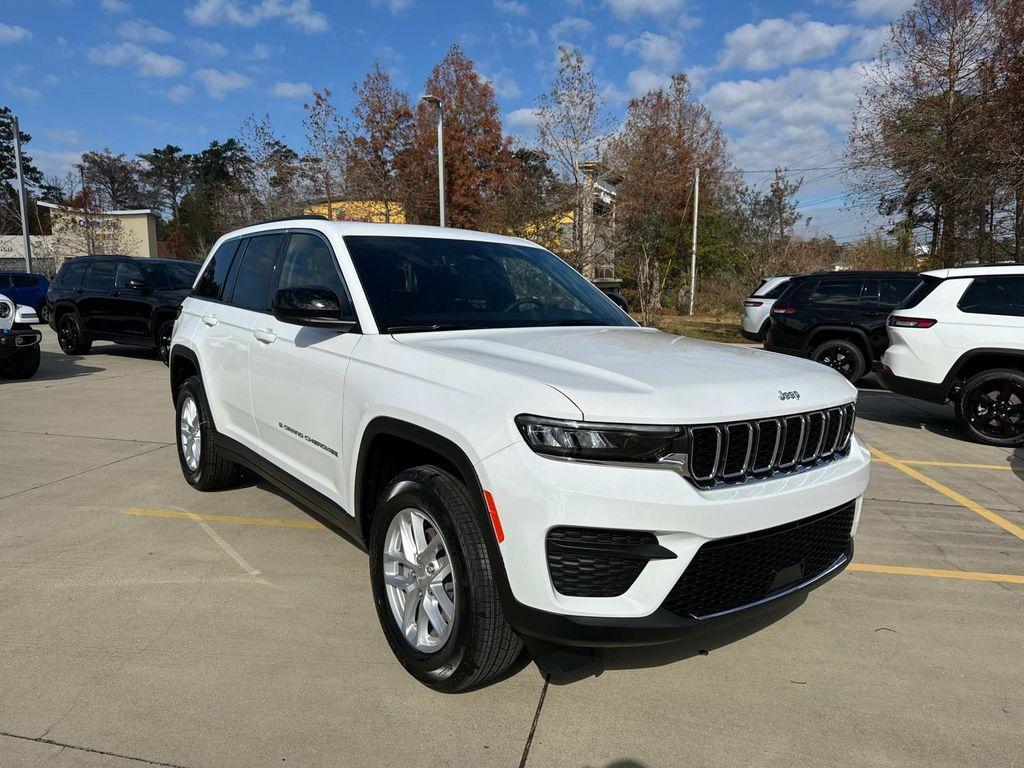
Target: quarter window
211 284
252 285
995 295
101 276
895 291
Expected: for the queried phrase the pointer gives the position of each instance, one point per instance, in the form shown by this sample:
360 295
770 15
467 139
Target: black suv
838 318
118 298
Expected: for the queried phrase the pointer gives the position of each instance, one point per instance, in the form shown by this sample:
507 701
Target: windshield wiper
434 327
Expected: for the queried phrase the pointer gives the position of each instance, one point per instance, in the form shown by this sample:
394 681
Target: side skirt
325 510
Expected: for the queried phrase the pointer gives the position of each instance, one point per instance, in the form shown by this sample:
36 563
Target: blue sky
781 77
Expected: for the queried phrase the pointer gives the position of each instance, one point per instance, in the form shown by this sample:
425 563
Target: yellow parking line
954 464
959 498
237 519
936 573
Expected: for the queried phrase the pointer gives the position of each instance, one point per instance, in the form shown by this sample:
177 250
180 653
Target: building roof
133 212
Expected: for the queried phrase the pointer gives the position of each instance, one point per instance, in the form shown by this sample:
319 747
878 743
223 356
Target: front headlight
5 310
601 442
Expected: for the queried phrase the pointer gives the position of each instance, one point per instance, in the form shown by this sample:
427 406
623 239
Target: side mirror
315 306
136 285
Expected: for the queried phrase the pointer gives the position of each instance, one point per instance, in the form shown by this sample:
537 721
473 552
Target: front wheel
842 356
433 584
990 408
23 364
202 463
163 341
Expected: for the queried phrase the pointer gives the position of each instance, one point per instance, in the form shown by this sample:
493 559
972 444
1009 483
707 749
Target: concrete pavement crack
105 753
536 720
84 437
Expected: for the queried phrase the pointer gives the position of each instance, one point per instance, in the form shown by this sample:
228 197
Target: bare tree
572 129
325 161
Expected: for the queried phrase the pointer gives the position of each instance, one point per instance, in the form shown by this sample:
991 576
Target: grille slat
728 574
739 451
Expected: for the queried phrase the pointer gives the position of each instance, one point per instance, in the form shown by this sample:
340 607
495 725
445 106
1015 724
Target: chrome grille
737 452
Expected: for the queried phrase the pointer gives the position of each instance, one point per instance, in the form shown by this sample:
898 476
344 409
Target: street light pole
439 106
22 195
693 250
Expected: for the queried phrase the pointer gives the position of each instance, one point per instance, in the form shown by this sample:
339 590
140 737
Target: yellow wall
360 210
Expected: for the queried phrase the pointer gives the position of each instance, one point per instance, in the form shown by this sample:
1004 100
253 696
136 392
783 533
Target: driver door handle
266 336
210 320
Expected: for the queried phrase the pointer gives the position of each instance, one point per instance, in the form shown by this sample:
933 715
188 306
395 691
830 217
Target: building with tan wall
74 232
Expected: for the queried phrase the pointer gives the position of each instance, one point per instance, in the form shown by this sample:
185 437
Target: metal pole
440 159
693 251
22 194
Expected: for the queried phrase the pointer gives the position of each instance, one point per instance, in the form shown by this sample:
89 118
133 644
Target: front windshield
427 283
170 276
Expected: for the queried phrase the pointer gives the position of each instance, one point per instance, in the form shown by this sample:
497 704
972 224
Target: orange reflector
493 512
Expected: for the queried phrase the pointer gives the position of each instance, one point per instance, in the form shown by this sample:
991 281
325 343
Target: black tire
23 364
212 471
163 341
44 313
763 333
990 407
71 336
481 644
842 356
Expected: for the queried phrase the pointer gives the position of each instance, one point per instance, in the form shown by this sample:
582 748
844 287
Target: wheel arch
182 364
846 333
977 360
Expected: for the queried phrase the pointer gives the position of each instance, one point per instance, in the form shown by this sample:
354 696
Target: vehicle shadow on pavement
898 411
573 665
57 366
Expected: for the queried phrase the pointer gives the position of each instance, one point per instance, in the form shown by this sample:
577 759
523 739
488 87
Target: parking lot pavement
143 623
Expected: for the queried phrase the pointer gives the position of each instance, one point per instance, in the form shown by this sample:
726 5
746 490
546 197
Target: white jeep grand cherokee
520 459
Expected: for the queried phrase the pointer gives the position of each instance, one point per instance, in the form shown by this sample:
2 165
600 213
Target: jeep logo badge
792 395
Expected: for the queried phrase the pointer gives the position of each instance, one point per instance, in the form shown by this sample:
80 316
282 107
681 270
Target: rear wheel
23 364
163 341
71 336
44 313
202 463
842 356
990 407
433 584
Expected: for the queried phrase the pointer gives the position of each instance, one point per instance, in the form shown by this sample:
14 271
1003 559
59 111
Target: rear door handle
265 336
210 320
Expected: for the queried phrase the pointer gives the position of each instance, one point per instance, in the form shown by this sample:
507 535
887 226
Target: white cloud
520 37
627 9
642 80
655 50
504 86
147 62
179 94
395 6
524 119
55 162
511 7
141 31
260 52
245 13
886 9
219 83
13 34
569 26
774 43
208 49
115 6
869 43
285 90
63 135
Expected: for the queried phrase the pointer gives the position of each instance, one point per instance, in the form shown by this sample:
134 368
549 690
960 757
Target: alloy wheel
67 335
419 581
838 359
995 409
191 433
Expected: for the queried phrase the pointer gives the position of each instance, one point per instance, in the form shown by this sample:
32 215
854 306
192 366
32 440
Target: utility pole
22 194
89 244
439 107
693 250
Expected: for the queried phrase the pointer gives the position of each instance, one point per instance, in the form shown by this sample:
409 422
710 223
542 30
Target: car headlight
5 310
601 442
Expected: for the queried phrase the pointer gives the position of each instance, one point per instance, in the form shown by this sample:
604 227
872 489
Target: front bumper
534 494
13 341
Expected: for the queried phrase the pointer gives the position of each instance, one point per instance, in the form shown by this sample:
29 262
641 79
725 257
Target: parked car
838 318
118 298
520 459
959 338
19 343
26 289
758 306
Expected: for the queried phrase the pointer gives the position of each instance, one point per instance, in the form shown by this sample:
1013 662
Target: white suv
520 459
959 338
757 308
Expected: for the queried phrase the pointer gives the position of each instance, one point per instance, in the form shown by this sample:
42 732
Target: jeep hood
646 376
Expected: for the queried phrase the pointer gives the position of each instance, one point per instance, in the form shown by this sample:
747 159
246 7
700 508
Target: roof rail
976 264
303 217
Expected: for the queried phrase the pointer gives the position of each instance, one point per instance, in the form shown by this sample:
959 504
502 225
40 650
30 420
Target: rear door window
255 273
995 295
101 276
844 293
127 271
